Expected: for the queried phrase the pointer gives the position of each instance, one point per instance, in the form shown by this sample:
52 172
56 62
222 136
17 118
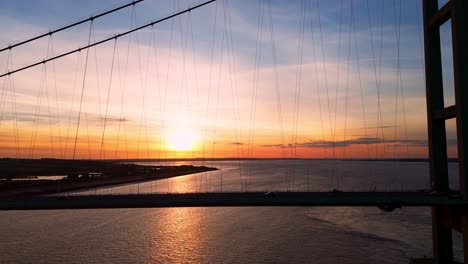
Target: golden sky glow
176 95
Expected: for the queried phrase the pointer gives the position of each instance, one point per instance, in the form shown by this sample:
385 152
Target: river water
236 235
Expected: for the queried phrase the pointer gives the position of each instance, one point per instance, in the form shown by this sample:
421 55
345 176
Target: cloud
374 127
350 142
114 119
278 145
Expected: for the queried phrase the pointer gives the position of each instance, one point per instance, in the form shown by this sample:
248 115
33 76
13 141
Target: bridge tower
444 219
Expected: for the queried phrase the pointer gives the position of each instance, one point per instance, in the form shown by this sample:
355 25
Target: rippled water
235 235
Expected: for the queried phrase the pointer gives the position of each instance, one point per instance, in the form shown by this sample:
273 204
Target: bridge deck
380 199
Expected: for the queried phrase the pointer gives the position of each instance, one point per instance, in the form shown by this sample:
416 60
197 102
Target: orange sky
179 96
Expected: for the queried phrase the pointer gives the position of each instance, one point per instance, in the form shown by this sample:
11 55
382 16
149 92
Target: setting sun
181 139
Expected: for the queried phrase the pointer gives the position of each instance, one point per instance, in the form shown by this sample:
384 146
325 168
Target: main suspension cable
50 33
107 39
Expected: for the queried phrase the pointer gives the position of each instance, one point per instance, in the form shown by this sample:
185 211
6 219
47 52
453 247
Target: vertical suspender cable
2 98
326 87
75 78
346 98
82 91
164 102
38 107
123 91
107 100
56 100
48 108
234 90
319 100
210 86
97 79
297 93
13 108
277 87
336 97
255 89
379 124
366 134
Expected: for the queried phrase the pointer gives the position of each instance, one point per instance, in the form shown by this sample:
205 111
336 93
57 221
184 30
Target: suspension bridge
188 91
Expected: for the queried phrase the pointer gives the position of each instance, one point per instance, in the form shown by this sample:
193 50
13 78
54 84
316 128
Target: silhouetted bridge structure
449 210
385 200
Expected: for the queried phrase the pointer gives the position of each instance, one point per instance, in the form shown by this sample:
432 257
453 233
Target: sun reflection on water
177 236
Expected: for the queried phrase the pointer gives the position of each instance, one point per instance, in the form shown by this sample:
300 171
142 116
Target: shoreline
134 180
81 175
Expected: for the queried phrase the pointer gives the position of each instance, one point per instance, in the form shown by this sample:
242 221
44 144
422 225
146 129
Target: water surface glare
235 235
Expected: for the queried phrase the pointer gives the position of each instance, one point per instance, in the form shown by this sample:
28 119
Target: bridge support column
459 13
455 11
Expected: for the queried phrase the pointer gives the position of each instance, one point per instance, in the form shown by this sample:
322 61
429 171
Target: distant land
19 177
451 160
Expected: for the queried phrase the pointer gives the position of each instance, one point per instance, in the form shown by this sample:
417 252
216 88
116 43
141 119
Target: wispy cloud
114 119
350 142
